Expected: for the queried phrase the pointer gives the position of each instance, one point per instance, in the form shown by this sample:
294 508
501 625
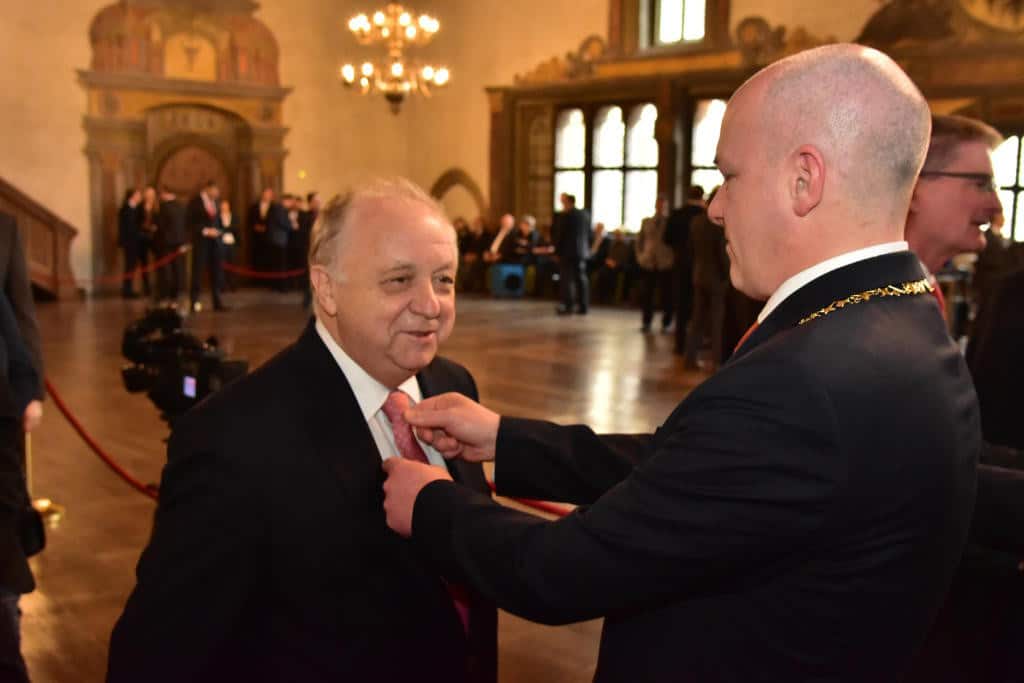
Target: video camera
174 367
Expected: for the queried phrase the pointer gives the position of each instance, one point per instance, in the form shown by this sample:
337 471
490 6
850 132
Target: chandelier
394 76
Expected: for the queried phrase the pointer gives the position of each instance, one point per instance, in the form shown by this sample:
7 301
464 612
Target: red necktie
409 448
940 298
746 336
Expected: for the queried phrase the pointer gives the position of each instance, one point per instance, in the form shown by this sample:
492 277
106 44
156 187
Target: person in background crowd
518 247
207 252
128 238
677 236
228 242
617 266
655 259
307 219
461 226
710 284
279 232
571 233
149 210
171 236
493 254
599 245
544 260
473 268
259 230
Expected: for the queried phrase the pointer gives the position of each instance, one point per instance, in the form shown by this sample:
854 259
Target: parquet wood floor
597 369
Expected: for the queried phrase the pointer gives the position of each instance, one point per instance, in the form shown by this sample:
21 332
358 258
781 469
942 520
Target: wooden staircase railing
47 240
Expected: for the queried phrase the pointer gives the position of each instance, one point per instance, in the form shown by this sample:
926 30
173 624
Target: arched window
1008 163
641 165
570 156
619 171
609 156
707 124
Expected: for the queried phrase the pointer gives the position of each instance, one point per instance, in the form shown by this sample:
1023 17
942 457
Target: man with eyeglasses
956 193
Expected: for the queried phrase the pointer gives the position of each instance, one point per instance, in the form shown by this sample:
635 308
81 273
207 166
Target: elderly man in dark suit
572 246
307 583
799 516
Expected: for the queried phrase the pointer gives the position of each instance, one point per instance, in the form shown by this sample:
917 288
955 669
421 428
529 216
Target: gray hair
949 132
529 220
332 222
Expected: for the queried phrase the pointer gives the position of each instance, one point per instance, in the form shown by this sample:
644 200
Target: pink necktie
940 299
409 448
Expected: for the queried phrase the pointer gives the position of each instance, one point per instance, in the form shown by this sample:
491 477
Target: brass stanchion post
51 512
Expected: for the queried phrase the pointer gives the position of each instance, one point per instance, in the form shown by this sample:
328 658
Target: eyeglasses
982 182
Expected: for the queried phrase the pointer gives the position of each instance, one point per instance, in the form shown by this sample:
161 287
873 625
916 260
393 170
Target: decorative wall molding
573 66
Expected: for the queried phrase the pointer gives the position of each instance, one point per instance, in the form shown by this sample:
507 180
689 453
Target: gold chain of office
905 289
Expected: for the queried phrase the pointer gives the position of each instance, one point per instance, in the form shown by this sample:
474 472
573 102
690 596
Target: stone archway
188 168
455 177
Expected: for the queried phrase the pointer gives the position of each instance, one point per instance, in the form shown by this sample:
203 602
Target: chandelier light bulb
405 19
410 32
348 72
385 32
379 18
364 82
367 69
441 76
428 73
397 69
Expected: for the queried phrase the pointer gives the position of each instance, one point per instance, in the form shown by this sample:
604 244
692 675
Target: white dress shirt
371 395
805 277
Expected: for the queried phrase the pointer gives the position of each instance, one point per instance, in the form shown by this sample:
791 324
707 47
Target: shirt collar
805 277
370 394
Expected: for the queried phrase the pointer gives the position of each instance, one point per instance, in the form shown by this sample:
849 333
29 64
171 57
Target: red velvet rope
145 489
263 275
152 491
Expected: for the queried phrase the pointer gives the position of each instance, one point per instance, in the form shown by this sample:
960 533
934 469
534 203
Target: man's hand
456 426
33 415
405 481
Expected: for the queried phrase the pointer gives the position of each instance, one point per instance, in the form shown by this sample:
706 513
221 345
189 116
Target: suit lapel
432 383
341 438
838 284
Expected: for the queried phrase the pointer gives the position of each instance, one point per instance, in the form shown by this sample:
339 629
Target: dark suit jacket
798 517
994 358
677 234
572 238
172 224
129 226
279 225
196 218
270 558
16 285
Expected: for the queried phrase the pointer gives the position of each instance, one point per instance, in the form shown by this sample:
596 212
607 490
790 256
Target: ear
323 291
807 179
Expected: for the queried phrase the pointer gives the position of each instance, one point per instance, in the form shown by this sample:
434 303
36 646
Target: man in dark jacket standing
572 246
203 220
171 236
128 238
800 515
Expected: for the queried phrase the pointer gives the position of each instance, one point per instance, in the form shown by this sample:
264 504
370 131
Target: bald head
820 152
863 113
